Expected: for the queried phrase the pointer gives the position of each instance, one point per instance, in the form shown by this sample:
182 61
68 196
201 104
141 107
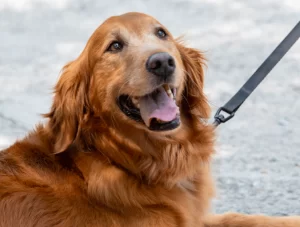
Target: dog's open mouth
157 110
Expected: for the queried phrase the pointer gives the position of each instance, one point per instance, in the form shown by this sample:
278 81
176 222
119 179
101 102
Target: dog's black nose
161 64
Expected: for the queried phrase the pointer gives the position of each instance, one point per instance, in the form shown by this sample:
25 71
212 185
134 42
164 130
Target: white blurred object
28 4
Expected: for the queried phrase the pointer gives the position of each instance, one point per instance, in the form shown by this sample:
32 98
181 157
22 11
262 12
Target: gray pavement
257 161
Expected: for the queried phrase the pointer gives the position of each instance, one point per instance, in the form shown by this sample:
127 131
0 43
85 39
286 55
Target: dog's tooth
166 87
135 101
168 90
159 121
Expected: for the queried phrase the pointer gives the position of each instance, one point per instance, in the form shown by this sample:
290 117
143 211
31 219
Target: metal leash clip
220 118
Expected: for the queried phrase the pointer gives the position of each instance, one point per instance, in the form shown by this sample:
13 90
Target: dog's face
134 70
140 68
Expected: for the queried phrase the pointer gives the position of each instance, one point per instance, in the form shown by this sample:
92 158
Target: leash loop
220 118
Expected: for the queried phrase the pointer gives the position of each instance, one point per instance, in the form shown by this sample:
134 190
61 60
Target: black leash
237 100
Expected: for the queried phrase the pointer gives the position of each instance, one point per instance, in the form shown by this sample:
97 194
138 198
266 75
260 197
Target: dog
125 143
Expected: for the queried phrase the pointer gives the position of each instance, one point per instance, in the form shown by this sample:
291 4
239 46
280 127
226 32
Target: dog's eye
115 46
161 33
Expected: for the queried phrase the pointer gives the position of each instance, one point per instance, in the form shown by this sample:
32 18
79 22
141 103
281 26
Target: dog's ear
70 104
194 99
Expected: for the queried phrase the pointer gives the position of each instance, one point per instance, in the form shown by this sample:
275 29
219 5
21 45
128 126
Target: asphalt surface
257 161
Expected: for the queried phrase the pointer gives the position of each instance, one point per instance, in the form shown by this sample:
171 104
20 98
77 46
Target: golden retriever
125 143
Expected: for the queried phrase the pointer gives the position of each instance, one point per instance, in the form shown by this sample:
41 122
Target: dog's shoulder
31 161
35 184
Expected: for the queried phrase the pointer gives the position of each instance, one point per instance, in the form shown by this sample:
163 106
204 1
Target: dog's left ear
194 98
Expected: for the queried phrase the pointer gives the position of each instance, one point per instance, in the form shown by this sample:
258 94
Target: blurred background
257 160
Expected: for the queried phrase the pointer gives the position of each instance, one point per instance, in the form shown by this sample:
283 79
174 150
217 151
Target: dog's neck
126 170
153 158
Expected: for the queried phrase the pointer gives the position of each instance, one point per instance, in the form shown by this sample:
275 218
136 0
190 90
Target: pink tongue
158 105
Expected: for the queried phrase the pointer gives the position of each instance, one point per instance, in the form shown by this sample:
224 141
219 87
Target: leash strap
237 100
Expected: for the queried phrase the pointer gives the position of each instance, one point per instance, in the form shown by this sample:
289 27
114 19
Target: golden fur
90 165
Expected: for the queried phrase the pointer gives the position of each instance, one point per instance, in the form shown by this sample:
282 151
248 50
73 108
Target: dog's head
132 71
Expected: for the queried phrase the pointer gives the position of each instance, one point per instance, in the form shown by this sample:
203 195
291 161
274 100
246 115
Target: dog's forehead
132 23
134 29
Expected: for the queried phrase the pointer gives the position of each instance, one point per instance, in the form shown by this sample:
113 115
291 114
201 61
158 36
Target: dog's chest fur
107 196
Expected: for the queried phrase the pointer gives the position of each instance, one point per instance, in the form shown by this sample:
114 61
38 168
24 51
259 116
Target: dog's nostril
171 62
157 64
